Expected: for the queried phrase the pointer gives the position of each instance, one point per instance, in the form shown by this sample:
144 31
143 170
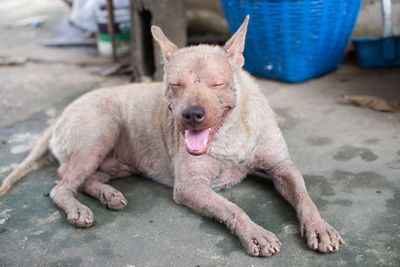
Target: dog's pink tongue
197 141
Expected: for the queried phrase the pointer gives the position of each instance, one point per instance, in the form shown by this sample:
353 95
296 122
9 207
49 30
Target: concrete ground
349 156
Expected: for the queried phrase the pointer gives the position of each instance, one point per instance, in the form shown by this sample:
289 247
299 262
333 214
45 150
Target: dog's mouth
198 141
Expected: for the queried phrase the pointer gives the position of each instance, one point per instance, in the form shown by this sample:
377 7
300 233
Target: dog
200 131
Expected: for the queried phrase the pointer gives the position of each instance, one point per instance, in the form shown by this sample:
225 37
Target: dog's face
199 86
200 92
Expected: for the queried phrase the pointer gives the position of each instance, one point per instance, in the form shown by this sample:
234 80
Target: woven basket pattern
293 40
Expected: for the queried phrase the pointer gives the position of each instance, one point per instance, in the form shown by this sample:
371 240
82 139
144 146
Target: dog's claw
117 202
322 237
80 216
113 199
261 243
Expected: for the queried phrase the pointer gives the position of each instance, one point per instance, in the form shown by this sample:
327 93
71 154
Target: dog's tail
38 157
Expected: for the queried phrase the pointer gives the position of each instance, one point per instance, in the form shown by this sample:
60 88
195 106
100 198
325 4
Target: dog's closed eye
217 85
175 85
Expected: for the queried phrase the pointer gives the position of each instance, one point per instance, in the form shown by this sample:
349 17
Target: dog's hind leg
82 164
73 173
110 197
63 194
85 134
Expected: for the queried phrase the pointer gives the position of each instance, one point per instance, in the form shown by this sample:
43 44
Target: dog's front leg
192 189
290 184
272 158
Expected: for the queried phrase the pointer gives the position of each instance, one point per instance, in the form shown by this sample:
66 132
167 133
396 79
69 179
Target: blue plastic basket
293 40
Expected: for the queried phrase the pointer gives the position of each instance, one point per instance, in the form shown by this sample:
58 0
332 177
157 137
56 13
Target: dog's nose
193 114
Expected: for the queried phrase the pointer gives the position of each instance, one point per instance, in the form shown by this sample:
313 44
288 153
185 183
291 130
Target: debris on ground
13 61
373 102
34 22
121 67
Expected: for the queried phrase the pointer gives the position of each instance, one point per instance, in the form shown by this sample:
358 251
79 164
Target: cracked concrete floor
349 156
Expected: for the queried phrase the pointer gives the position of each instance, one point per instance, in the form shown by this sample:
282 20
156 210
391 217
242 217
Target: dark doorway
147 43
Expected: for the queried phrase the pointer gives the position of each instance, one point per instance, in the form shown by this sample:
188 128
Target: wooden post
110 27
170 15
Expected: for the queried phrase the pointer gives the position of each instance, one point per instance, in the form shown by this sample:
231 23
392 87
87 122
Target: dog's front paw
117 201
321 236
113 199
80 216
259 242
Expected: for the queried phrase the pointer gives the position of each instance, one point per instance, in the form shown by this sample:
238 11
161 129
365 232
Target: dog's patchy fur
142 128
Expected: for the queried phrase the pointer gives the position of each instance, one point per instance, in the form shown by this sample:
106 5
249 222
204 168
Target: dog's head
199 85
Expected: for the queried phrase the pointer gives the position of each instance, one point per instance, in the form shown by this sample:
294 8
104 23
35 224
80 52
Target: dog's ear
234 47
167 47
